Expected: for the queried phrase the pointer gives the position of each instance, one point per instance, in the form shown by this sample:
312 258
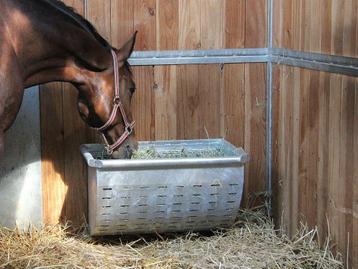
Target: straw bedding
252 243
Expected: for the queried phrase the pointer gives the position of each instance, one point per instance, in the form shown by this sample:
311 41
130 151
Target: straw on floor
252 243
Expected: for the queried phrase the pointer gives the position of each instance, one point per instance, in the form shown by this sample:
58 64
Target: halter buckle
129 129
109 150
116 100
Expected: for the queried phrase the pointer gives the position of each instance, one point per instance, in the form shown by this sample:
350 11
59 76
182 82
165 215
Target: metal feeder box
165 194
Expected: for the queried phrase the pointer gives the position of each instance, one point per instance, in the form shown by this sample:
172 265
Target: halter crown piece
117 105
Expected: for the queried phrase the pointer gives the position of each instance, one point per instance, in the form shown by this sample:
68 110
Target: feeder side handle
91 162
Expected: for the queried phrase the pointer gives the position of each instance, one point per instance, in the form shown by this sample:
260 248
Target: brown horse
45 40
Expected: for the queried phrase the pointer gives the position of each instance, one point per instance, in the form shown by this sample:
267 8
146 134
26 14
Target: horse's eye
132 89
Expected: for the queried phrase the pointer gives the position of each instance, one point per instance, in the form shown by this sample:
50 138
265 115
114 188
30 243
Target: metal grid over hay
252 243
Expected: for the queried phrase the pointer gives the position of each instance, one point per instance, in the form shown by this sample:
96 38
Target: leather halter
117 105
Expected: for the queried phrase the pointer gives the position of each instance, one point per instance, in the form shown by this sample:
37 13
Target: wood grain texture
165 95
233 109
75 133
188 98
98 11
145 23
326 26
188 125
354 235
320 164
167 24
52 152
210 101
212 24
234 25
171 102
122 21
255 129
256 24
189 24
143 106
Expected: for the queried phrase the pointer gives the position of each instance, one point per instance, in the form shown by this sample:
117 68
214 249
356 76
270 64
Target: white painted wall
20 170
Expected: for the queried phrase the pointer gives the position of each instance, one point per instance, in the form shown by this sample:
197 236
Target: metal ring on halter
116 100
109 150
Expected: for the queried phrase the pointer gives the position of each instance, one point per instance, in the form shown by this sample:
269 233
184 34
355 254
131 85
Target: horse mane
85 24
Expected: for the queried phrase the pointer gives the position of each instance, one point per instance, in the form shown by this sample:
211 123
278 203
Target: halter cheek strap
117 105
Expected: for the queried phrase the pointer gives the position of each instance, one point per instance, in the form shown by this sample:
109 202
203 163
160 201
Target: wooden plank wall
172 102
315 124
324 26
316 155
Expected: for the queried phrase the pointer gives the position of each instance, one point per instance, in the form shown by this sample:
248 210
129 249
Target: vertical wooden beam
295 151
255 127
286 142
234 75
303 146
322 176
189 24
255 99
165 94
346 168
54 188
234 25
210 101
354 236
334 145
145 23
122 17
165 82
277 207
145 13
188 76
212 24
167 24
210 87
326 26
75 133
234 104
256 24
97 12
188 122
143 105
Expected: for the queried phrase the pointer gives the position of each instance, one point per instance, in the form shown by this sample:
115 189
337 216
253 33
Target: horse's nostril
129 151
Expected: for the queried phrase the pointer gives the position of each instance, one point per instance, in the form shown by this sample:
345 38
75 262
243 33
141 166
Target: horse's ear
125 52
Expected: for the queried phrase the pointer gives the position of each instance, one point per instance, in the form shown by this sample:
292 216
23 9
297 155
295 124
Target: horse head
105 103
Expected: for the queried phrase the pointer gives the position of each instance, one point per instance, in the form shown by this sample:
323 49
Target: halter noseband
117 104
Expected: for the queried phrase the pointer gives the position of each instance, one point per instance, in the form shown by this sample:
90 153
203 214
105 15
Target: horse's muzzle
125 151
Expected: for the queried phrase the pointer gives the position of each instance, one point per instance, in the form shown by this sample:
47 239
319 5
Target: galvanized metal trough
164 195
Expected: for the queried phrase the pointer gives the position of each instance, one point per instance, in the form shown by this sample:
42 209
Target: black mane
85 24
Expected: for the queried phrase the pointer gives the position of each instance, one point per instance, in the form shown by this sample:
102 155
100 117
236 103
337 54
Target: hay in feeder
152 153
252 243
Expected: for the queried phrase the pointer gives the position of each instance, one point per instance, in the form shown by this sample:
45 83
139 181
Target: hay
252 243
152 153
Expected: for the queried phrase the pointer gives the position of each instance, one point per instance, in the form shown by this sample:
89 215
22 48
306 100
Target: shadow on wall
64 170
20 169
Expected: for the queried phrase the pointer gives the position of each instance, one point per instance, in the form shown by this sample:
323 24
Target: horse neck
53 49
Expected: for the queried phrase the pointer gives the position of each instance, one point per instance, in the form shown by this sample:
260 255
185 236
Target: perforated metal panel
165 195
